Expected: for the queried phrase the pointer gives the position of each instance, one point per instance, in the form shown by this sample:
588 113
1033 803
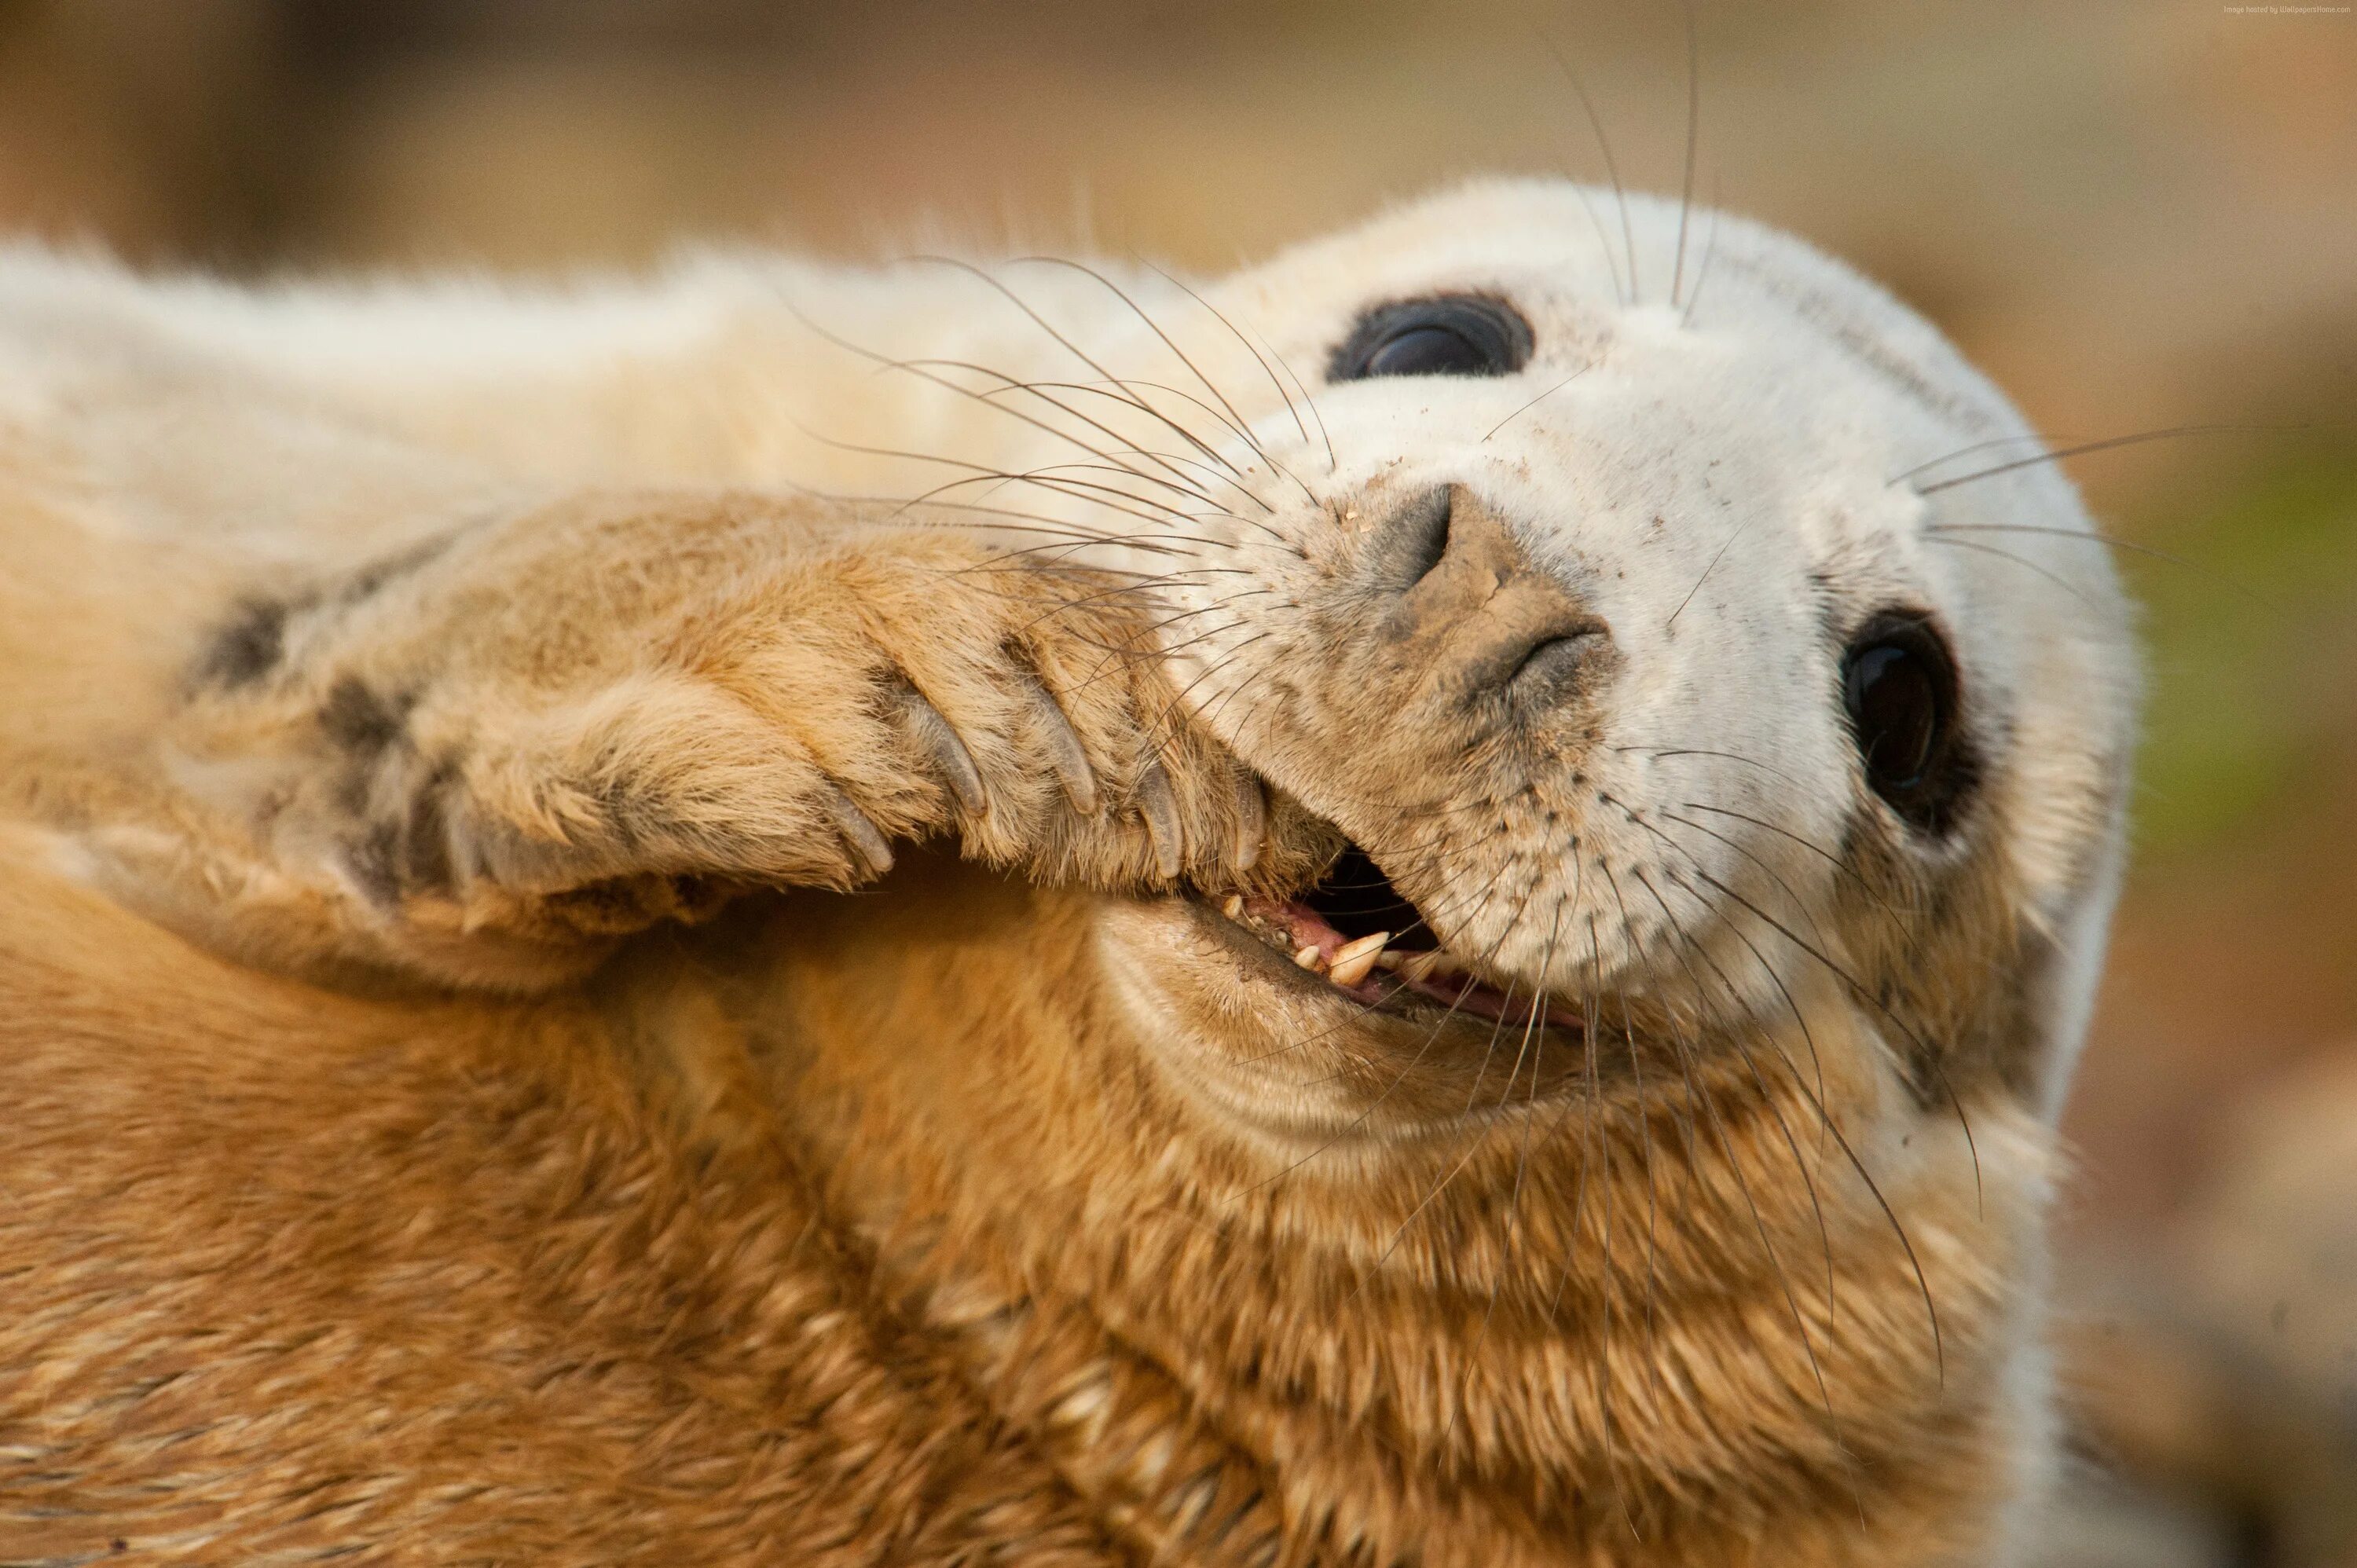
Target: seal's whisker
1033 525
1075 489
1536 401
924 371
1857 988
1139 583
982 470
1332 462
1022 521
2017 438
1038 320
1644 951
1124 442
1775 979
1250 710
1705 751
1236 430
1133 401
1258 358
1149 544
1923 1050
1207 635
1828 1124
1709 251
1125 393
1480 1129
1061 553
1166 721
1059 470
1240 425
1889 1214
1835 861
2080 450
1473 1097
1216 417
1743 1180
1652 1193
1768 1098
1682 1051
1604 246
1611 165
1608 1207
2021 561
1144 585
1694 128
1515 1198
1052 477
1595 1148
1726 545
1193 463
2108 541
1799 902
1473 1146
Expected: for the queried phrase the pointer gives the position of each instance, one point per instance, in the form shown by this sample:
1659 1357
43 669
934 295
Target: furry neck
1581 1337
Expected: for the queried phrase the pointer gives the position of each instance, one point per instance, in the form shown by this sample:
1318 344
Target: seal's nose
1470 606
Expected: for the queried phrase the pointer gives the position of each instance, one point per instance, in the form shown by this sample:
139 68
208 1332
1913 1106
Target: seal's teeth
1353 960
1308 958
1233 906
1446 965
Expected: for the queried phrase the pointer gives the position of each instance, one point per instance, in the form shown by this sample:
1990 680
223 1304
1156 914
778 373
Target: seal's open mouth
1357 930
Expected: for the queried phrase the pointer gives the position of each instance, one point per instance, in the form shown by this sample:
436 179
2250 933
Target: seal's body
1514 880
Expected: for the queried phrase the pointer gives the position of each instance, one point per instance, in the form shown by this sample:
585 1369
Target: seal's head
1615 592
1649 1110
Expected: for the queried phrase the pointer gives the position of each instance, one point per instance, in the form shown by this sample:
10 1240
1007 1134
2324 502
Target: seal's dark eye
1900 685
1453 335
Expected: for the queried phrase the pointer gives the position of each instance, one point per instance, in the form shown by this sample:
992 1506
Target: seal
1428 904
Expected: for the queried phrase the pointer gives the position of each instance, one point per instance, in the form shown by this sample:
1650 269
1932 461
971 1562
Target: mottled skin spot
249 647
358 720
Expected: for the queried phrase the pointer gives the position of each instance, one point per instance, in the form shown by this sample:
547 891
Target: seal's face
1674 709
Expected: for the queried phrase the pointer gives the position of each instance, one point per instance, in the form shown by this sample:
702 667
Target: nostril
1419 536
1554 666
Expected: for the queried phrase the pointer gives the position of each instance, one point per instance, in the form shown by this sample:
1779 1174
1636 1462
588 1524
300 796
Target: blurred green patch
2253 642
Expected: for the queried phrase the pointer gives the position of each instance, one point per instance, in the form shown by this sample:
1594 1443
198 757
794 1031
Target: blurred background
2136 214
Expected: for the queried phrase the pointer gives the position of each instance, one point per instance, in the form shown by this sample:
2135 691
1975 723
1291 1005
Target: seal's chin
1354 933
1335 1014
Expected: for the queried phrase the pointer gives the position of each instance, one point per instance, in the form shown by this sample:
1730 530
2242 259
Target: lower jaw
1401 981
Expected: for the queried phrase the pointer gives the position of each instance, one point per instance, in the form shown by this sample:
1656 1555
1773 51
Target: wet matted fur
568 996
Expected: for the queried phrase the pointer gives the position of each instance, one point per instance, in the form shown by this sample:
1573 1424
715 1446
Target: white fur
1762 416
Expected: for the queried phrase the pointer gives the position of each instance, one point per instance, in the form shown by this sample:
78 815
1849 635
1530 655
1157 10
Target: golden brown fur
524 1043
555 1282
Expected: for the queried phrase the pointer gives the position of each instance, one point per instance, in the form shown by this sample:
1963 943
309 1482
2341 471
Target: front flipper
621 709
